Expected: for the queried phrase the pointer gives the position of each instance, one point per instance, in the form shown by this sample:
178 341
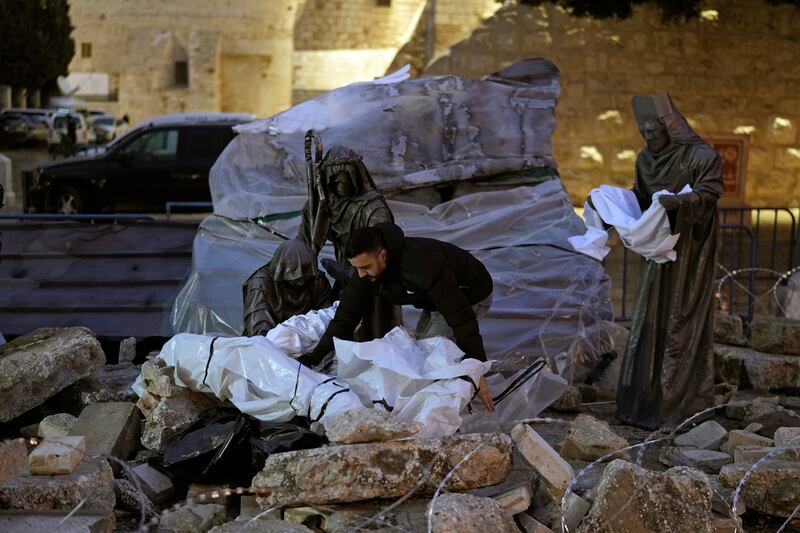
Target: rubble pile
364 469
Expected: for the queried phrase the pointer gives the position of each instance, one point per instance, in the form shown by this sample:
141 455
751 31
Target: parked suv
165 159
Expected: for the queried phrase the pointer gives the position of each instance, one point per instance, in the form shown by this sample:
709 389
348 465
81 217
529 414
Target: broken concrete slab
773 488
708 435
531 525
173 414
193 518
13 458
36 366
109 383
57 425
750 369
630 498
590 439
554 470
132 499
56 456
574 510
787 435
111 429
775 335
357 472
159 379
708 461
92 481
769 415
728 329
569 401
367 425
127 351
155 484
370 516
24 522
739 437
516 500
465 513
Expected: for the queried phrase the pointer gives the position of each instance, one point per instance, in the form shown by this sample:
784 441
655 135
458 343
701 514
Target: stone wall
734 70
239 54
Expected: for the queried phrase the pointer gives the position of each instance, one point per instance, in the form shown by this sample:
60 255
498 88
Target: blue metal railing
169 206
75 218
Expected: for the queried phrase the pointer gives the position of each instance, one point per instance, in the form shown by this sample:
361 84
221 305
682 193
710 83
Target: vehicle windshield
104 121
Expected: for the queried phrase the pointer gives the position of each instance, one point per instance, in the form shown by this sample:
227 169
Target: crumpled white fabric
301 333
425 381
257 377
647 234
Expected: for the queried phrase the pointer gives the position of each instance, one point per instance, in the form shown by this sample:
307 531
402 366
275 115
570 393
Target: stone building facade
185 55
734 72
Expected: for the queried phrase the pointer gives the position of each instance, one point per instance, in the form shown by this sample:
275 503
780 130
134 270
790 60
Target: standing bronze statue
289 284
342 197
668 369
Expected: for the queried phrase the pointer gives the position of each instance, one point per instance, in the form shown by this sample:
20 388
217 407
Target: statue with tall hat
667 371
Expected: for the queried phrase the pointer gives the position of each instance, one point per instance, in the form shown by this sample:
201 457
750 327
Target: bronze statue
289 284
668 369
342 197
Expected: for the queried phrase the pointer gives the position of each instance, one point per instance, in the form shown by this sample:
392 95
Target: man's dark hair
363 240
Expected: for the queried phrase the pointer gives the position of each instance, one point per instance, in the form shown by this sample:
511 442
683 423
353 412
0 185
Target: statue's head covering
344 159
660 109
293 260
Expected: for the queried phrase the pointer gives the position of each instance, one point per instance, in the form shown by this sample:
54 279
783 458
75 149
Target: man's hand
485 394
671 202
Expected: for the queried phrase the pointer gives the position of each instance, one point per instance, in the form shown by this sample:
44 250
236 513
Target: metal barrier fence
756 246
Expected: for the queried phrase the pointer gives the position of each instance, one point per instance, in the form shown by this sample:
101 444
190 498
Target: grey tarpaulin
546 294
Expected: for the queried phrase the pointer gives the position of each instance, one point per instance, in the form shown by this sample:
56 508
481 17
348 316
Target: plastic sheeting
411 134
424 381
647 234
256 376
545 293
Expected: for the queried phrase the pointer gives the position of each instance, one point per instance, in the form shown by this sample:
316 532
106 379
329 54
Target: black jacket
426 273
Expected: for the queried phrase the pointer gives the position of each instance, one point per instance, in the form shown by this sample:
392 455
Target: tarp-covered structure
482 146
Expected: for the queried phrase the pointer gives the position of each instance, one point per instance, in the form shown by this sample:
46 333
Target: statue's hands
671 202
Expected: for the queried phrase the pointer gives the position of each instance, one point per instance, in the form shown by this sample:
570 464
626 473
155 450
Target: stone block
159 379
516 500
531 525
750 369
13 458
722 498
127 351
709 461
193 518
156 485
39 522
590 439
172 414
630 498
109 383
347 518
111 429
775 335
569 401
787 434
55 426
554 470
267 524
769 415
738 437
465 513
357 472
92 481
728 329
725 525
773 488
708 435
751 454
755 427
367 425
56 456
132 499
36 366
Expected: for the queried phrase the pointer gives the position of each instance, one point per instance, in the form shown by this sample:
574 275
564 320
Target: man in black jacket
443 280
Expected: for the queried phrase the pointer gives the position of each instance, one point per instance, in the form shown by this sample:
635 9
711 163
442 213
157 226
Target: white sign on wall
89 83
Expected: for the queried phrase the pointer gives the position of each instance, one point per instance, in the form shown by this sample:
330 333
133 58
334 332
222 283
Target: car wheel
68 201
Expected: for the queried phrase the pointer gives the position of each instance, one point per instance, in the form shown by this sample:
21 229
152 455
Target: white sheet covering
647 234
